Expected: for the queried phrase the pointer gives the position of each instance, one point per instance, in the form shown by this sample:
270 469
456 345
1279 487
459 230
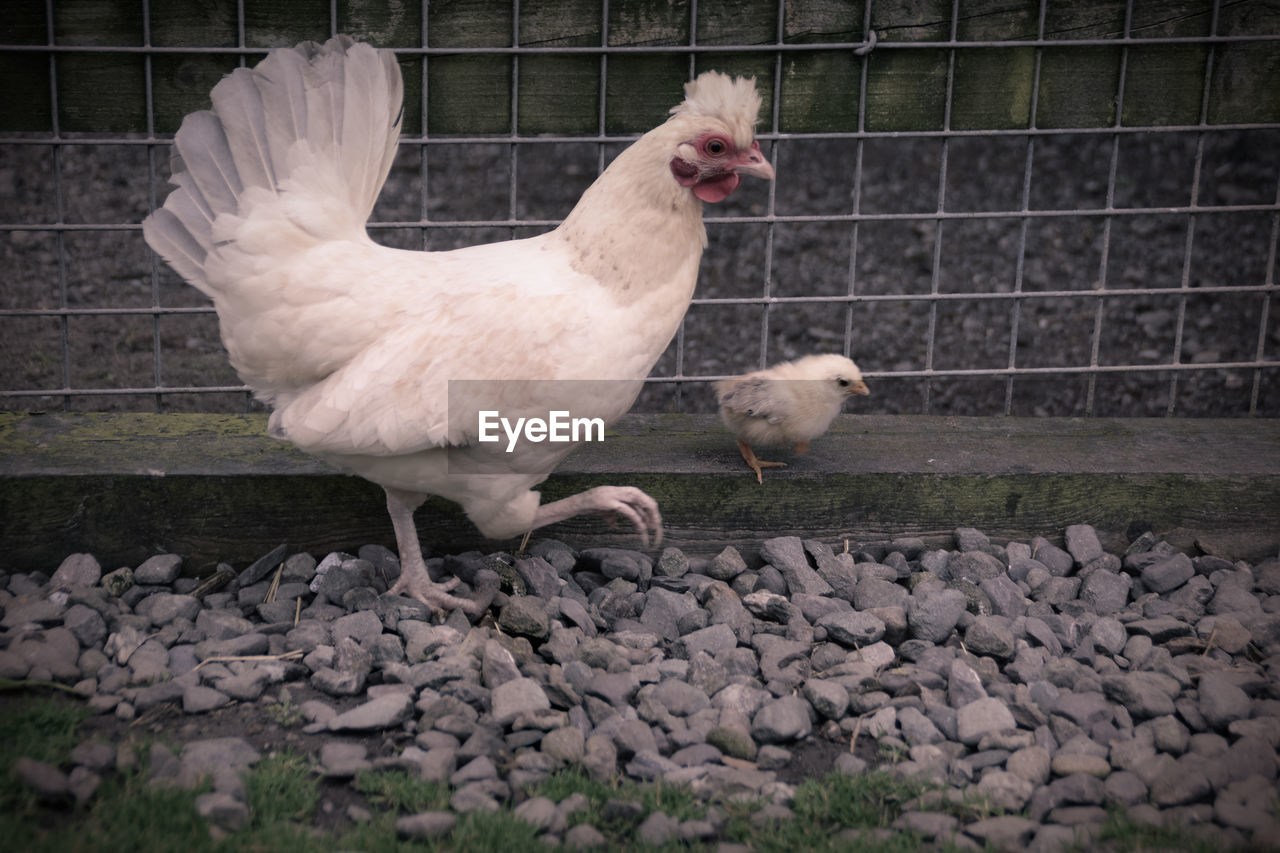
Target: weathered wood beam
216 488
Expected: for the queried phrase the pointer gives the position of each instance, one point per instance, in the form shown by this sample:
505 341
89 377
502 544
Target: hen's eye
716 146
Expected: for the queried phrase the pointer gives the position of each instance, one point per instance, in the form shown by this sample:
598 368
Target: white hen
357 346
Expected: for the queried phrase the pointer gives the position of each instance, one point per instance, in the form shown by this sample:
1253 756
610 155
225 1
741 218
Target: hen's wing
450 317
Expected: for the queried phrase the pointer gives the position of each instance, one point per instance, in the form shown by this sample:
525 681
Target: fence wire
1118 270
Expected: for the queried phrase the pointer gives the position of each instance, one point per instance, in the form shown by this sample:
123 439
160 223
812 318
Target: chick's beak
753 162
858 388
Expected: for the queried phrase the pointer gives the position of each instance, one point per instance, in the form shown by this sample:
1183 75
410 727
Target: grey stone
1082 543
1005 790
1004 832
1143 694
163 607
1232 599
726 565
734 741
1124 788
917 728
872 593
657 829
782 720
672 563
991 636
1031 763
1183 783
363 626
525 616
426 826
539 576
714 640
1005 595
933 618
974 566
982 717
1168 574
664 609
828 698
786 554
584 836
1057 561
963 684
385 711
86 624
516 697
1106 593
852 629
1221 702
222 809
199 700
77 570
44 779
158 570
680 698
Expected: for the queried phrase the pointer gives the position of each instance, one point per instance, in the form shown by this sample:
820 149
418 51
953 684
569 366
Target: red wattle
718 188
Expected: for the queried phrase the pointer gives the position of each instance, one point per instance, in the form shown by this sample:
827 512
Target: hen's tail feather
286 128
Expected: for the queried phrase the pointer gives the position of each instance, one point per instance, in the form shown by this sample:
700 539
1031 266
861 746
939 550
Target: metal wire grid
682 374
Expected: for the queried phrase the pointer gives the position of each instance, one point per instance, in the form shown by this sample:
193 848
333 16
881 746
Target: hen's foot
419 586
756 464
625 501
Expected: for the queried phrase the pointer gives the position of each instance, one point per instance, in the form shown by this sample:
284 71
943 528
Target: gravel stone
933 618
160 569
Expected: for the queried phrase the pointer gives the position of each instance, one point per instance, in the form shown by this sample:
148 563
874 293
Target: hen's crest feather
732 100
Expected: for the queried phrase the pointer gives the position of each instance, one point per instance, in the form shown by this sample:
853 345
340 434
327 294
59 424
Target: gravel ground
1054 682
108 184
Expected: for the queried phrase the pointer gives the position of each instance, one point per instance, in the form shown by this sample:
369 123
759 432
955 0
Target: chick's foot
756 464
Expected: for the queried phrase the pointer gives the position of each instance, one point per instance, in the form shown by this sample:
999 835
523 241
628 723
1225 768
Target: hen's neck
636 230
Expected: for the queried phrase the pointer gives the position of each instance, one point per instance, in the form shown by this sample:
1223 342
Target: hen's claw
625 501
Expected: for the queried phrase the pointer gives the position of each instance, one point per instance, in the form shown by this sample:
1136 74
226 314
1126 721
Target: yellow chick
789 403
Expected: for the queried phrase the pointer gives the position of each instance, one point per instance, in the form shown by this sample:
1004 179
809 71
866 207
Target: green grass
281 789
44 729
398 792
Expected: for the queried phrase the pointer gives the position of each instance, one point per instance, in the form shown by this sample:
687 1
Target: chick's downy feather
378 359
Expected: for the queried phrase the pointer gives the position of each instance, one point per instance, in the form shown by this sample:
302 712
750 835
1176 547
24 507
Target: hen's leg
756 464
414 580
626 501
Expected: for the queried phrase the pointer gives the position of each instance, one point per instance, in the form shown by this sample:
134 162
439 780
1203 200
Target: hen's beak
858 388
753 162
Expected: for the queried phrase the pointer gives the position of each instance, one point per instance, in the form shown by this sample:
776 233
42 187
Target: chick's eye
842 382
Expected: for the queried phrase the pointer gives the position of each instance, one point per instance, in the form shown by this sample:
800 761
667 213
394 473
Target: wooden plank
214 487
906 90
467 95
1072 83
993 89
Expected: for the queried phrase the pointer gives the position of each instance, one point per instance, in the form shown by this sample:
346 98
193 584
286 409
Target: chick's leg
414 581
626 501
756 464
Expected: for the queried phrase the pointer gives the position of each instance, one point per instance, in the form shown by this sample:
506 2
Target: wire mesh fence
1034 208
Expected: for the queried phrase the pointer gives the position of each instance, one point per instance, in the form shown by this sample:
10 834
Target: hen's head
720 113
